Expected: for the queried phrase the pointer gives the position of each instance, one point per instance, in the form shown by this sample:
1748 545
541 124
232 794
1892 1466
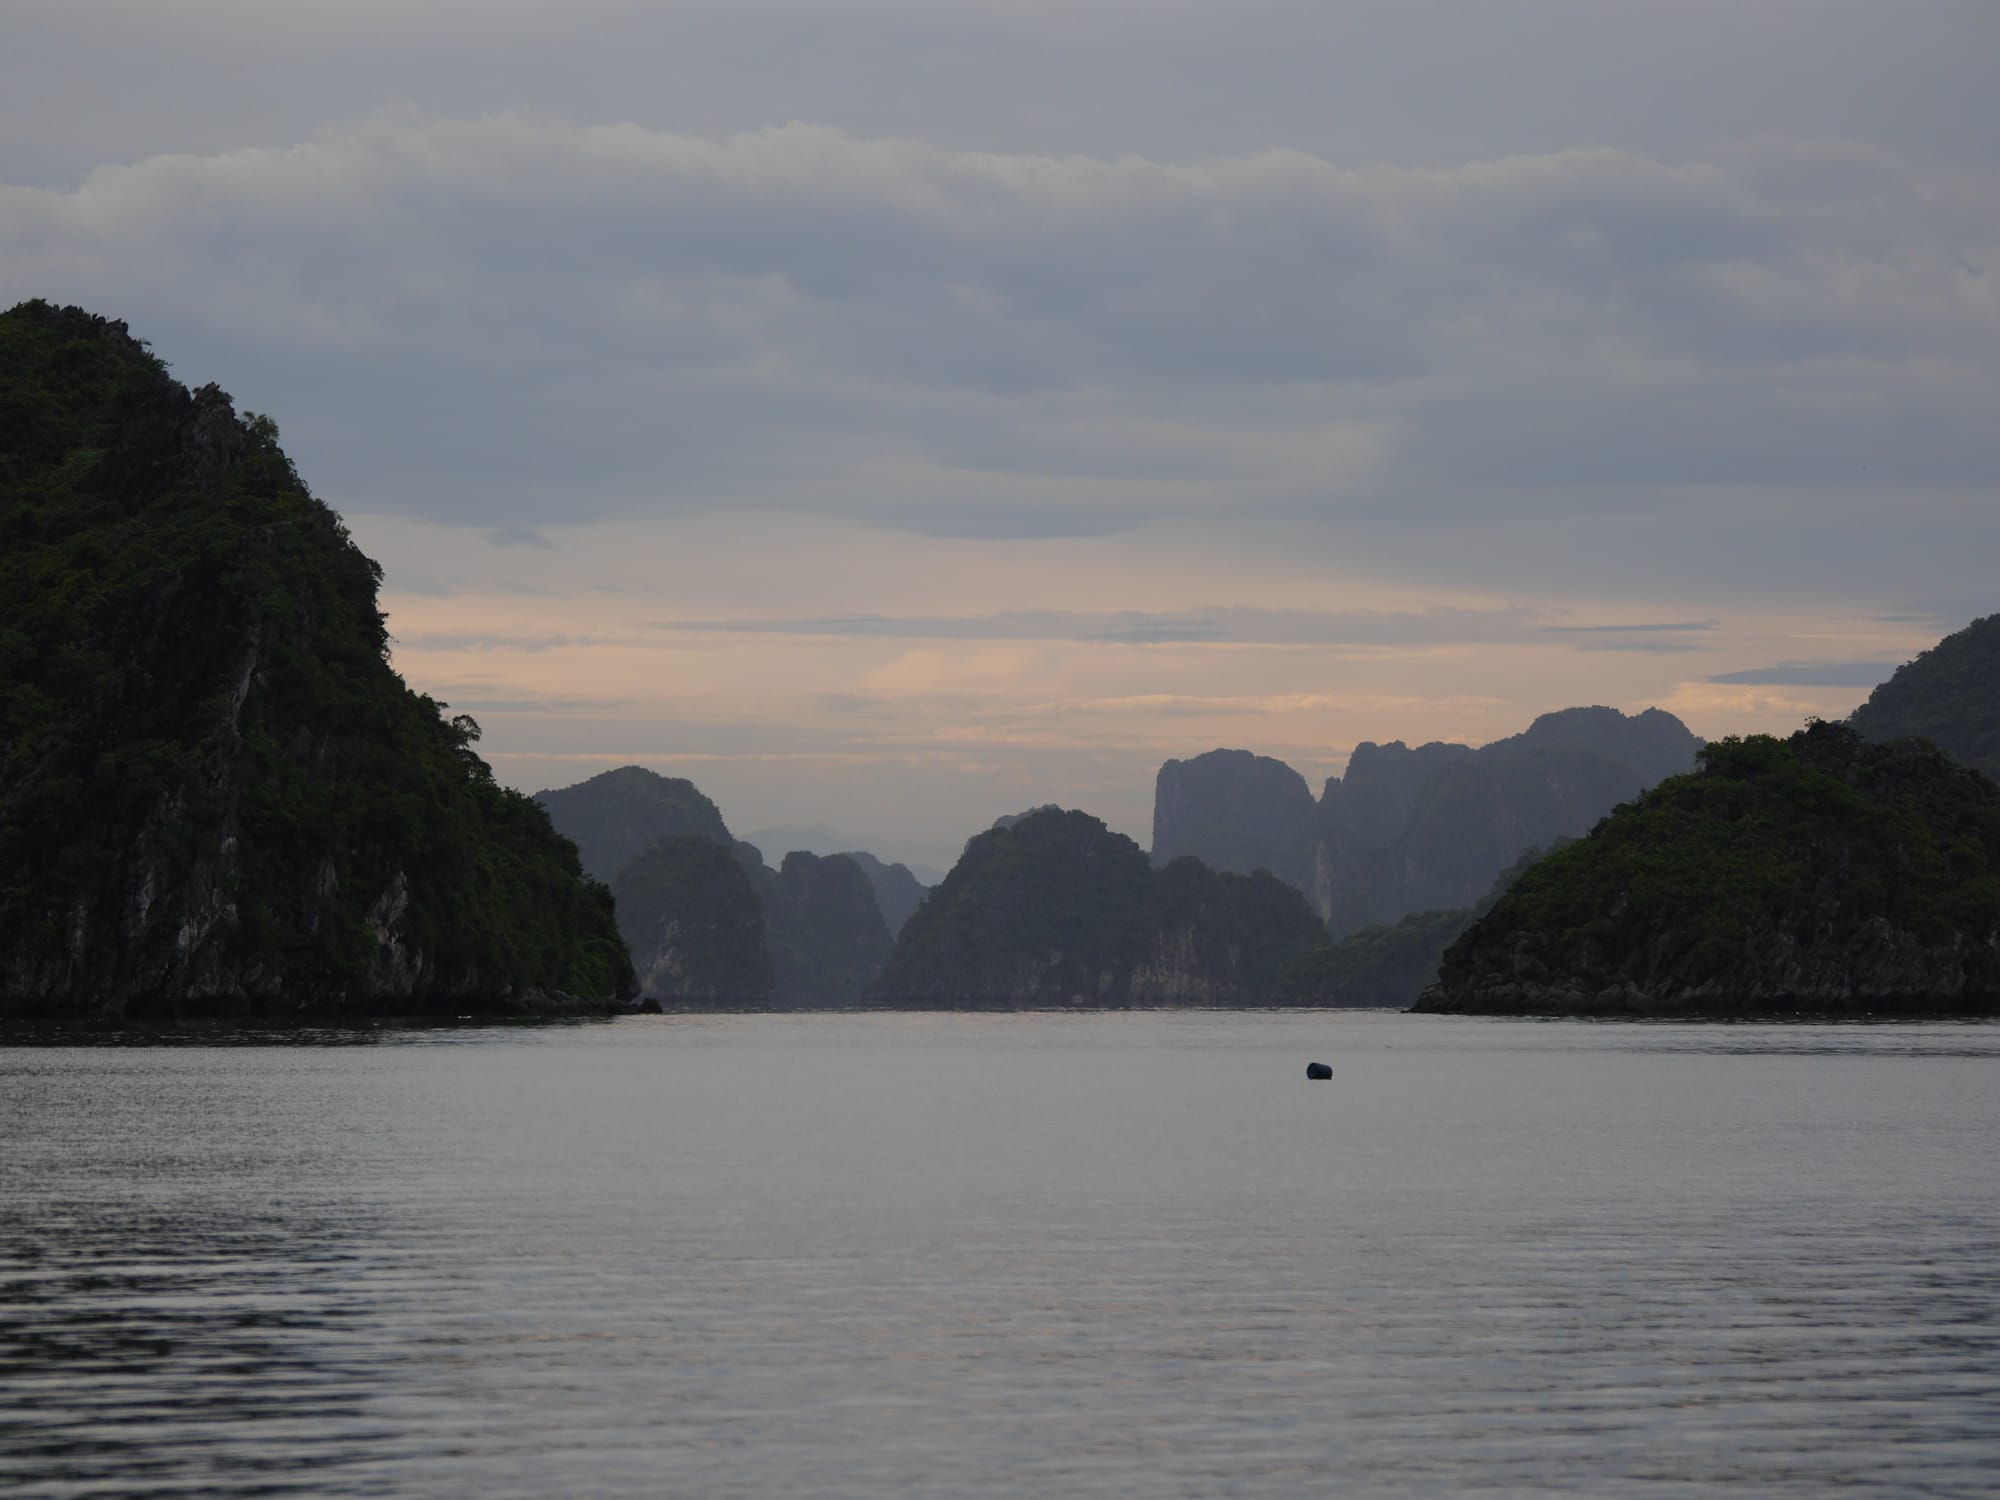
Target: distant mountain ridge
1413 829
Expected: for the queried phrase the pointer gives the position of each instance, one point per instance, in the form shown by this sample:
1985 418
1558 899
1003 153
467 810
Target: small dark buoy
1318 1070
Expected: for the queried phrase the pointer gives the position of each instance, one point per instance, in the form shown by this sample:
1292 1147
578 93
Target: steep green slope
215 793
1950 695
1815 874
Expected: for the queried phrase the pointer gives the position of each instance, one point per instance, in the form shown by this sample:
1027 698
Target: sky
891 416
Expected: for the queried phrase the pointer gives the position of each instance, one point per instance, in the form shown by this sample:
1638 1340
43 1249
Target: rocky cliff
898 892
825 933
813 935
1056 910
216 796
613 817
694 923
1415 829
1233 810
1950 695
1816 875
1389 965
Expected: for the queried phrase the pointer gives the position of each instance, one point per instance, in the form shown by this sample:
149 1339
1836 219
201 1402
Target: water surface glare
1006 1255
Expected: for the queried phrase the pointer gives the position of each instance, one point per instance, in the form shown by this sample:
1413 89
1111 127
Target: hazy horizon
892 417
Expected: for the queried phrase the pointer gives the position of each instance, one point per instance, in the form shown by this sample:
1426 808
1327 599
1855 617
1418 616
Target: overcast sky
894 415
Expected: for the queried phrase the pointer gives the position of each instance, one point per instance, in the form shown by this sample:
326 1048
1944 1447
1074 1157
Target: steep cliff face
216 796
1410 830
1232 810
1815 875
695 926
1390 964
898 892
1950 695
613 817
1371 805
1058 911
1214 938
826 935
818 936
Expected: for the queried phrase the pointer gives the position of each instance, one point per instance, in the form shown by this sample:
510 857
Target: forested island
217 798
1054 910
1815 875
1850 870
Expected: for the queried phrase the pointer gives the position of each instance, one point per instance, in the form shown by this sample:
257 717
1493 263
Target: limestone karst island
218 799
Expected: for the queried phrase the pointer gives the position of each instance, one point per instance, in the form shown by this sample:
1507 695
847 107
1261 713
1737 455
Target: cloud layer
1084 384
515 320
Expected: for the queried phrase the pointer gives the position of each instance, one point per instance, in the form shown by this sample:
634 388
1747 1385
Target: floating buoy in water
1318 1070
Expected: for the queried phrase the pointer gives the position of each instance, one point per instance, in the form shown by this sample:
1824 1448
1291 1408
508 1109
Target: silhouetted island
217 798
709 924
1052 909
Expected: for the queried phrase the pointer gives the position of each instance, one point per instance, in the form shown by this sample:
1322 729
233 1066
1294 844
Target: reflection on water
1006 1255
183 1351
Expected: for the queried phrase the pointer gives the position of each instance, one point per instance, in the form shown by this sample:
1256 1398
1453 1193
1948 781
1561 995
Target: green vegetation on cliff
215 792
1819 872
1950 695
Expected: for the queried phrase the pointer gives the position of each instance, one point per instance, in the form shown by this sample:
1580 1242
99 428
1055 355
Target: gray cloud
1362 79
1657 648
1670 628
514 320
443 640
1655 639
519 536
1273 627
1865 674
1501 317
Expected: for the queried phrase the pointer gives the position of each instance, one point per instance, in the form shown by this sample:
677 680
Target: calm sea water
1009 1255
